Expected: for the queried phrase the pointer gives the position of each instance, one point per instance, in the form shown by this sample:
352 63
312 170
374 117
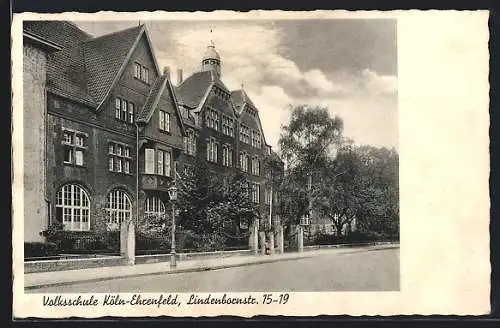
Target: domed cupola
211 60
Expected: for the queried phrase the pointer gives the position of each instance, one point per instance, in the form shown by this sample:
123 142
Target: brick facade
87 144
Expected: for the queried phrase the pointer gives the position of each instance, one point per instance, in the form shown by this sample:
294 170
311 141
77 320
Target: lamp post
172 192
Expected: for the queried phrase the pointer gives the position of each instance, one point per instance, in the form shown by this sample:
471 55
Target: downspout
136 174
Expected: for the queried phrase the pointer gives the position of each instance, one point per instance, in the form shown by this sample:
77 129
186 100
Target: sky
347 65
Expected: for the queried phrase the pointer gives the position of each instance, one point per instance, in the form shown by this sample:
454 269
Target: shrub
82 242
39 249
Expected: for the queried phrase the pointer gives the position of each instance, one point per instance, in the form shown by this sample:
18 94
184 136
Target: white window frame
154 206
255 166
227 155
73 207
227 125
212 150
255 192
118 208
124 110
244 133
164 121
190 143
244 158
75 149
119 158
149 161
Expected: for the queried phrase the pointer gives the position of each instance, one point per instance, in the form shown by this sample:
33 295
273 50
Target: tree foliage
213 206
349 182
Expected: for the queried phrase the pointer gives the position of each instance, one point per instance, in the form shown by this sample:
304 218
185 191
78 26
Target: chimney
166 72
179 76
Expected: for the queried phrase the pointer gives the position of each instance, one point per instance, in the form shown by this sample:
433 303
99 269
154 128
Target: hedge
40 249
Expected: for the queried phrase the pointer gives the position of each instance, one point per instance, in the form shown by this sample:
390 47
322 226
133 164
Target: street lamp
172 192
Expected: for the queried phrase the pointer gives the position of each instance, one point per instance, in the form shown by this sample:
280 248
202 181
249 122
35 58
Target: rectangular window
164 121
118 103
227 156
149 166
255 166
124 110
267 193
144 74
79 157
137 70
244 162
227 125
256 139
212 149
131 113
212 119
161 159
244 134
167 161
74 147
119 158
190 143
255 192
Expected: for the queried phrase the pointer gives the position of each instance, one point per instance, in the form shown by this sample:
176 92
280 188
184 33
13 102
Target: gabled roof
100 63
106 57
161 84
62 33
152 99
66 77
192 91
240 98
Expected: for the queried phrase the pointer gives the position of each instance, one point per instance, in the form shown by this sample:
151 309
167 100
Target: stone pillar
300 238
262 237
271 242
254 238
281 240
127 242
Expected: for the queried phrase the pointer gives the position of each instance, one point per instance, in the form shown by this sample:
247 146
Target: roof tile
62 33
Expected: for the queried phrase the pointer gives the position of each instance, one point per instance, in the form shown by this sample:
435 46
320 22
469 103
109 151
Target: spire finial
212 44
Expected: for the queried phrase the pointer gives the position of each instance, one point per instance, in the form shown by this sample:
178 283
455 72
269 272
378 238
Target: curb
196 269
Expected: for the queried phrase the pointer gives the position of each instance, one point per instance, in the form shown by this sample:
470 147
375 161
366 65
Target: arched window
73 208
118 208
154 207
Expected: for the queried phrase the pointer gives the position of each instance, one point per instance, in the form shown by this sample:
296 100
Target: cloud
317 80
385 84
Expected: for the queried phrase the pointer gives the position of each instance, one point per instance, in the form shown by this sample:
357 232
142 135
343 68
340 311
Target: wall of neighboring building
34 81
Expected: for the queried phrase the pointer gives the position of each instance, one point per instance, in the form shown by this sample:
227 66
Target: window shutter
149 161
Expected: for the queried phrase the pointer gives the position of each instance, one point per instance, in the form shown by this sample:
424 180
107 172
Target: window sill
165 132
122 173
124 121
142 81
74 165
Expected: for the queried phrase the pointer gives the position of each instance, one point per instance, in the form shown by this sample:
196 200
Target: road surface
375 270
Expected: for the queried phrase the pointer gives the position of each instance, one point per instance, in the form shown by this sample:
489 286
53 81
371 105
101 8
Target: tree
310 139
212 205
380 212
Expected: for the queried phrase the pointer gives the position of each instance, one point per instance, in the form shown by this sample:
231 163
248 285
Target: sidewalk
58 278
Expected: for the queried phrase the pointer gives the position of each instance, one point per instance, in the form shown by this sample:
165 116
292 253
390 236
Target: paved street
374 270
